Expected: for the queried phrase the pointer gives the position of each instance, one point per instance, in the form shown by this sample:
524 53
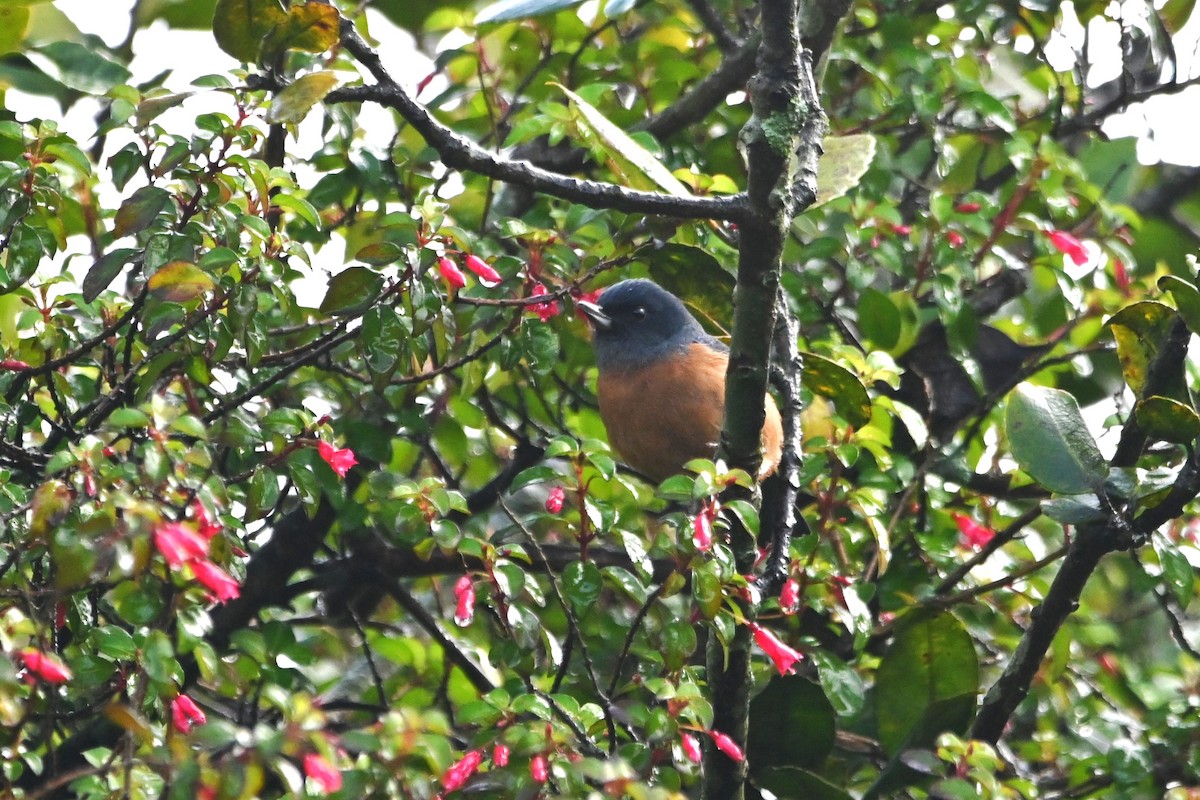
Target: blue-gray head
637 322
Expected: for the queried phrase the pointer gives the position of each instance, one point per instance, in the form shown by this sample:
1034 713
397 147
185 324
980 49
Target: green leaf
129 418
179 282
351 290
830 379
83 68
384 338
158 658
842 685
878 319
1177 572
844 160
14 23
24 252
150 108
926 682
1050 441
1186 297
113 643
104 271
635 163
379 254
582 582
312 27
1175 14
239 26
799 707
294 102
1168 420
139 210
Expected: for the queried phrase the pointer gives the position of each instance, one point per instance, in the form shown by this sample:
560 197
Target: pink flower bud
727 745
464 593
554 502
185 714
462 770
451 274
326 776
483 269
539 769
45 666
974 534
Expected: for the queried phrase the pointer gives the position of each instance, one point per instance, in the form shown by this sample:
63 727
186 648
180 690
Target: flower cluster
186 545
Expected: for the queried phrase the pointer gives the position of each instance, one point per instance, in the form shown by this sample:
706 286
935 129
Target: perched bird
662 381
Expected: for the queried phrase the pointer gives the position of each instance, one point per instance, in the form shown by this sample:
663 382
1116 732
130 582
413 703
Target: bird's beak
595 315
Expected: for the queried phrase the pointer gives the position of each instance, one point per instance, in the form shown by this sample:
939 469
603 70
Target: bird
661 381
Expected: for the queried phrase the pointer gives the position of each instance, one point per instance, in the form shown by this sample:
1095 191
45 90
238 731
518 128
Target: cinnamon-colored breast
662 416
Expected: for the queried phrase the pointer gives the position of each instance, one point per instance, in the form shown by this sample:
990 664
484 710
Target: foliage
259 542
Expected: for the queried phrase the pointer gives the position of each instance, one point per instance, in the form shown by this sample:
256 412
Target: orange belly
660 417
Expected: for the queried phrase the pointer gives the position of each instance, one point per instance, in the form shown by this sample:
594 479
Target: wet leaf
1051 442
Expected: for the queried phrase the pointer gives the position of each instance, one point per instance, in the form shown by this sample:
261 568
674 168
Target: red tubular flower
691 747
179 544
458 774
185 714
13 365
539 769
483 269
955 239
967 208
340 461
785 657
902 230
204 524
451 274
215 580
727 745
1069 245
590 297
702 535
545 310
973 534
554 501
322 773
500 754
464 593
45 666
789 596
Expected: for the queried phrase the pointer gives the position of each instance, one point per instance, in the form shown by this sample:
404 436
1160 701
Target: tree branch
460 153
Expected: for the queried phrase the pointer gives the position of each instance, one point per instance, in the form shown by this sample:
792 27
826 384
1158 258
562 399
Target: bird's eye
639 313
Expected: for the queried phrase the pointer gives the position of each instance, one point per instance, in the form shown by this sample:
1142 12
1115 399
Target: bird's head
637 322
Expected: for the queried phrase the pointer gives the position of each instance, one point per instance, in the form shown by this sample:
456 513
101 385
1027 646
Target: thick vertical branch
781 144
1091 544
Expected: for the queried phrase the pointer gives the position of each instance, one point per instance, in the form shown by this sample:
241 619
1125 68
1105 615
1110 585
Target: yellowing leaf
179 282
638 166
14 22
843 163
312 27
293 103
